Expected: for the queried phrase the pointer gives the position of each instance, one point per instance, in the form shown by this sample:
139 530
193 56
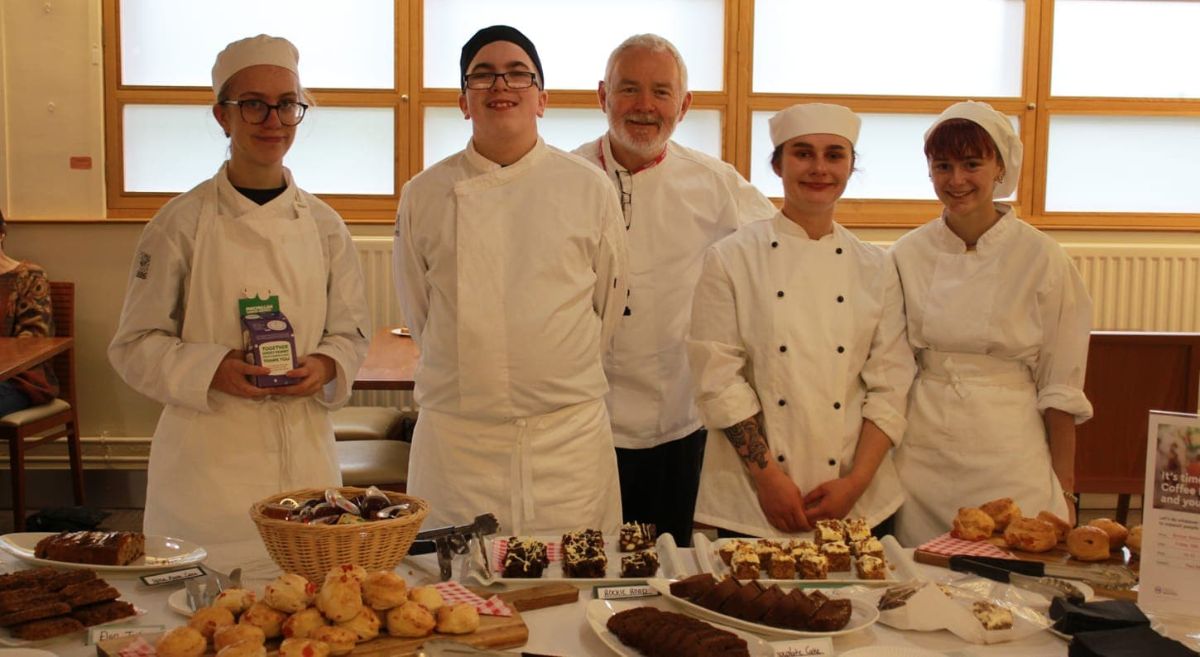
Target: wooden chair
1130 374
59 418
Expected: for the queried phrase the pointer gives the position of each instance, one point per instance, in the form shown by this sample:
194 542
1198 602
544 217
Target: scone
303 648
339 639
206 620
384 589
1088 543
341 598
289 593
972 524
1061 527
1115 530
410 620
181 642
262 616
301 624
461 618
1002 511
235 600
1134 540
357 572
1030 535
243 649
365 625
227 636
428 597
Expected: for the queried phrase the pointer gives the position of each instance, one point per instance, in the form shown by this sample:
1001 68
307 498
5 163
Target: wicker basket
312 550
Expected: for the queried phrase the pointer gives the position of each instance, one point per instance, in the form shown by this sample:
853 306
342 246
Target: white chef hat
252 51
1000 129
812 119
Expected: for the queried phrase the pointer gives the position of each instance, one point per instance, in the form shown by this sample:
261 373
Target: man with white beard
676 202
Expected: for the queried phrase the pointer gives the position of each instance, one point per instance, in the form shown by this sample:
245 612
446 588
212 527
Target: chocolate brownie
781 613
831 617
582 537
65 579
738 604
693 586
805 608
525 558
717 595
103 612
17 599
26 578
762 604
639 564
584 561
637 536
34 612
90 592
46 628
897 596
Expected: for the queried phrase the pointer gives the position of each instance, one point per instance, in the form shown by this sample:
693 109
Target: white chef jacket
1002 334
674 209
810 333
512 280
214 454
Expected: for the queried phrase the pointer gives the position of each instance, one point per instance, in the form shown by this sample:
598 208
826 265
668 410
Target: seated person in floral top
24 311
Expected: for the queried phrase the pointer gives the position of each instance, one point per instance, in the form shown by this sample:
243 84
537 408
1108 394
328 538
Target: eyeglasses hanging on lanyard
625 186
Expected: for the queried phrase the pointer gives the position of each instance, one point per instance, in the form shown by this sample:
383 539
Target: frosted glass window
574 39
341 44
891 158
914 48
338 150
446 132
1126 49
1081 175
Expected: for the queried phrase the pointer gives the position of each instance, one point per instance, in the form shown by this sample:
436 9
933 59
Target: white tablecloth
560 630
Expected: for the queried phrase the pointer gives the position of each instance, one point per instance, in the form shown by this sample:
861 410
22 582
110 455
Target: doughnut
1115 530
1088 543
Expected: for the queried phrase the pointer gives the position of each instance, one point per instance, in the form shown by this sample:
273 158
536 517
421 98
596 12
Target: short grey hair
653 43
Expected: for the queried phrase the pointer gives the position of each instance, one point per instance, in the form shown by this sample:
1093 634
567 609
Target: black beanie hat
491 35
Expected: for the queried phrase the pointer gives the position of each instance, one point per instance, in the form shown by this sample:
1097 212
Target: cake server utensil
1050 587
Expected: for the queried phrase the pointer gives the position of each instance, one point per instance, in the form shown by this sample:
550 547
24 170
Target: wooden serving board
493 632
1056 555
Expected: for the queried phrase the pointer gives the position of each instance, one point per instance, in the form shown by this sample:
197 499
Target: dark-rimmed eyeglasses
255 111
514 80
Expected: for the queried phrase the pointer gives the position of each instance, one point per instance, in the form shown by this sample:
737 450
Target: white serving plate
710 562
599 611
862 615
669 565
162 553
177 602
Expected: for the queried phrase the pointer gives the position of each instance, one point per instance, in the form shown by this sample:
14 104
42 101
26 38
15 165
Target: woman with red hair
999 321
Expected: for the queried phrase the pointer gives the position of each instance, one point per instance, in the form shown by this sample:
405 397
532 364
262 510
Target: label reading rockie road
623 592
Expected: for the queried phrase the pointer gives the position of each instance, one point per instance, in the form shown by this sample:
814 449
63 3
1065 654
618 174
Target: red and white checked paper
138 648
453 593
500 548
949 546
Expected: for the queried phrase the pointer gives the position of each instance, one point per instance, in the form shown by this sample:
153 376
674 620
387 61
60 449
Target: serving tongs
1105 576
449 541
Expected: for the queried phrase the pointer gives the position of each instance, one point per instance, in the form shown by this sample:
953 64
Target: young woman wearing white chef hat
223 443
798 349
999 320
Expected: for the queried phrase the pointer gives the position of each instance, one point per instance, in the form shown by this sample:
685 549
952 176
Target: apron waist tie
285 442
960 369
522 476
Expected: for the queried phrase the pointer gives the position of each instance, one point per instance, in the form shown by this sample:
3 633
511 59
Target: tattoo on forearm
749 440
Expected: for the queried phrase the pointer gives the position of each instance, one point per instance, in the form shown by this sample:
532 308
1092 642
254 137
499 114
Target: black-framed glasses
256 111
625 187
514 80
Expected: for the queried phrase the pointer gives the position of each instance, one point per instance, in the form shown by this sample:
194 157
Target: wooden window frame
409 99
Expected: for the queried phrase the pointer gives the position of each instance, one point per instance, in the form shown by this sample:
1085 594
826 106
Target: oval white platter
162 552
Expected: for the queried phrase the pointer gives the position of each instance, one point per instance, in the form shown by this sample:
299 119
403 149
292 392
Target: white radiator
1134 287
1141 287
375 253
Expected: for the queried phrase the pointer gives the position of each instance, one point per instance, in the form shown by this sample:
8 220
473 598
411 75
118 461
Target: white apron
974 435
206 469
543 475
